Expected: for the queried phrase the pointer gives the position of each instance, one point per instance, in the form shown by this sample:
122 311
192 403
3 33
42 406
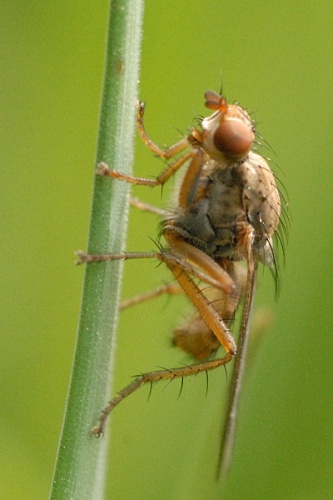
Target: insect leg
168 288
213 320
156 376
203 266
208 313
104 170
146 207
213 274
178 147
167 153
181 270
83 258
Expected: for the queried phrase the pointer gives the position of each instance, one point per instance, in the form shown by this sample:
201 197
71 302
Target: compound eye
233 138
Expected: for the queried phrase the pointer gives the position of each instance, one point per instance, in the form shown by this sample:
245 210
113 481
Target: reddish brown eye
233 138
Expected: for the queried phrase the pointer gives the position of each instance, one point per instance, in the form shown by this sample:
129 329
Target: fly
228 210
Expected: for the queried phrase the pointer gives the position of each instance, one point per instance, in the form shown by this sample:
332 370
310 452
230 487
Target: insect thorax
226 198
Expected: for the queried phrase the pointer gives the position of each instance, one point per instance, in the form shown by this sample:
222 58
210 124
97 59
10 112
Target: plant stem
80 467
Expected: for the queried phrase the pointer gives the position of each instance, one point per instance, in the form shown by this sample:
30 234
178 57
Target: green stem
81 460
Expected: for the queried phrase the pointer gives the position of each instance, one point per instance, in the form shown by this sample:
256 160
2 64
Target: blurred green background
274 58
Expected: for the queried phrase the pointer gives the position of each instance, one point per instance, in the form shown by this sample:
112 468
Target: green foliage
80 467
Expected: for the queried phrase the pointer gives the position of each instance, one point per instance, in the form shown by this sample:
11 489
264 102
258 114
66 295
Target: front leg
104 170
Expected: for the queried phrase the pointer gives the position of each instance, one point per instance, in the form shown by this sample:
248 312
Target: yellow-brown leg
167 289
170 152
215 323
166 153
146 207
180 269
210 271
104 170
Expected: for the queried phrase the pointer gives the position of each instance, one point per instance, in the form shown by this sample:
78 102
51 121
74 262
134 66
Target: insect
227 212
